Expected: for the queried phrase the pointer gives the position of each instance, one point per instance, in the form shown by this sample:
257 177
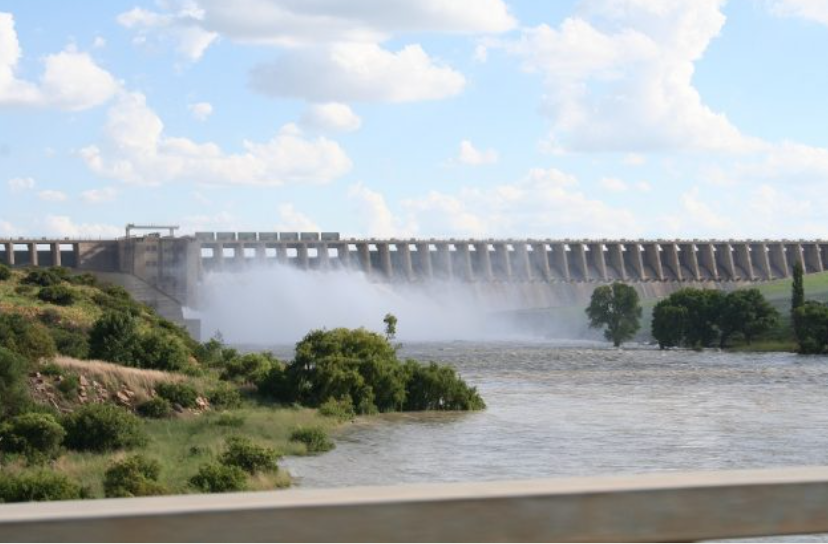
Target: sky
427 118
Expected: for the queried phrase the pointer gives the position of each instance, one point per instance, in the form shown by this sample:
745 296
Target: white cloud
182 26
376 217
643 187
614 185
813 10
99 42
634 159
71 80
291 219
332 116
222 220
357 72
50 195
619 77
546 203
290 23
135 149
63 226
98 196
474 157
200 110
19 185
7 229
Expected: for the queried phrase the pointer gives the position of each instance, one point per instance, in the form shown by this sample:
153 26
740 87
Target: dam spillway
516 261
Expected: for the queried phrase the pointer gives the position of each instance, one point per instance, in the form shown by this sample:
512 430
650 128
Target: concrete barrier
643 508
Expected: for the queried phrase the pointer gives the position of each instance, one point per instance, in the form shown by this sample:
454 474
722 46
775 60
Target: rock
123 398
202 403
178 408
83 381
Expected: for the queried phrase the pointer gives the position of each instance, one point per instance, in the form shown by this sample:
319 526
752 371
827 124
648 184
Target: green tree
14 395
811 325
615 307
114 338
746 312
390 321
669 324
798 287
25 337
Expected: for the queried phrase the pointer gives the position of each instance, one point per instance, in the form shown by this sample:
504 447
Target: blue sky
616 118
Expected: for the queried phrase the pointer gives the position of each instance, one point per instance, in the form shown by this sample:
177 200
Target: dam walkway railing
666 507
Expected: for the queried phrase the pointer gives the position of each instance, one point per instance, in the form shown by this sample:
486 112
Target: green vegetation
811 327
5 272
700 318
103 427
315 439
798 287
181 443
36 436
134 476
615 307
363 366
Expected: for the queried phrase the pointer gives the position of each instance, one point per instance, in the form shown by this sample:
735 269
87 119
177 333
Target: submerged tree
390 321
798 288
615 307
746 312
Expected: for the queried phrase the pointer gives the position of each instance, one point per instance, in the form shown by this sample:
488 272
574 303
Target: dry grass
114 377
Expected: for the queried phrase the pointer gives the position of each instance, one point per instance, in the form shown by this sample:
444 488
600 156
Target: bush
242 453
25 337
811 326
71 343
83 279
41 485
183 394
38 437
224 396
249 368
315 439
435 387
5 272
102 427
155 408
135 476
342 409
161 352
114 338
60 295
14 394
69 385
216 478
44 277
214 353
114 298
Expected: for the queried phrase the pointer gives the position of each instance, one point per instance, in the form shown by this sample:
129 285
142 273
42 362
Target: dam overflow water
557 410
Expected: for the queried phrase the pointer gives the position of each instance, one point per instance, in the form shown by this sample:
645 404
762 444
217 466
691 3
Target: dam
165 271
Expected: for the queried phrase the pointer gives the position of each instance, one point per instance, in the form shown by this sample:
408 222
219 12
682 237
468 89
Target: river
570 410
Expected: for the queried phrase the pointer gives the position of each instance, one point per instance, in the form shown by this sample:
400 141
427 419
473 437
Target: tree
617 308
811 325
390 321
746 312
798 287
114 338
669 324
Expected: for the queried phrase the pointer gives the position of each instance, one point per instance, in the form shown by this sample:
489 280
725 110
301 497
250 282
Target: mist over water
280 304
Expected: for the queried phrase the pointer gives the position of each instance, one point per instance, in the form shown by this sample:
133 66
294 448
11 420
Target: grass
115 376
182 445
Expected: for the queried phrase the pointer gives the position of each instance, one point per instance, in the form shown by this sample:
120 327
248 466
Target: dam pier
165 271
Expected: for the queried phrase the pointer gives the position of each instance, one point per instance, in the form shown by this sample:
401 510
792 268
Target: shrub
811 326
161 351
183 394
83 279
277 386
224 396
114 338
41 485
51 369
14 395
342 409
50 317
249 368
135 476
102 427
44 277
60 295
38 437
69 385
435 387
116 299
217 478
315 439
242 453
5 272
29 339
156 408
214 353
71 343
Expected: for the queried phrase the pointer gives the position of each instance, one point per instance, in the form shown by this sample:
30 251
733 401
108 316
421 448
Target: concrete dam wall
509 274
